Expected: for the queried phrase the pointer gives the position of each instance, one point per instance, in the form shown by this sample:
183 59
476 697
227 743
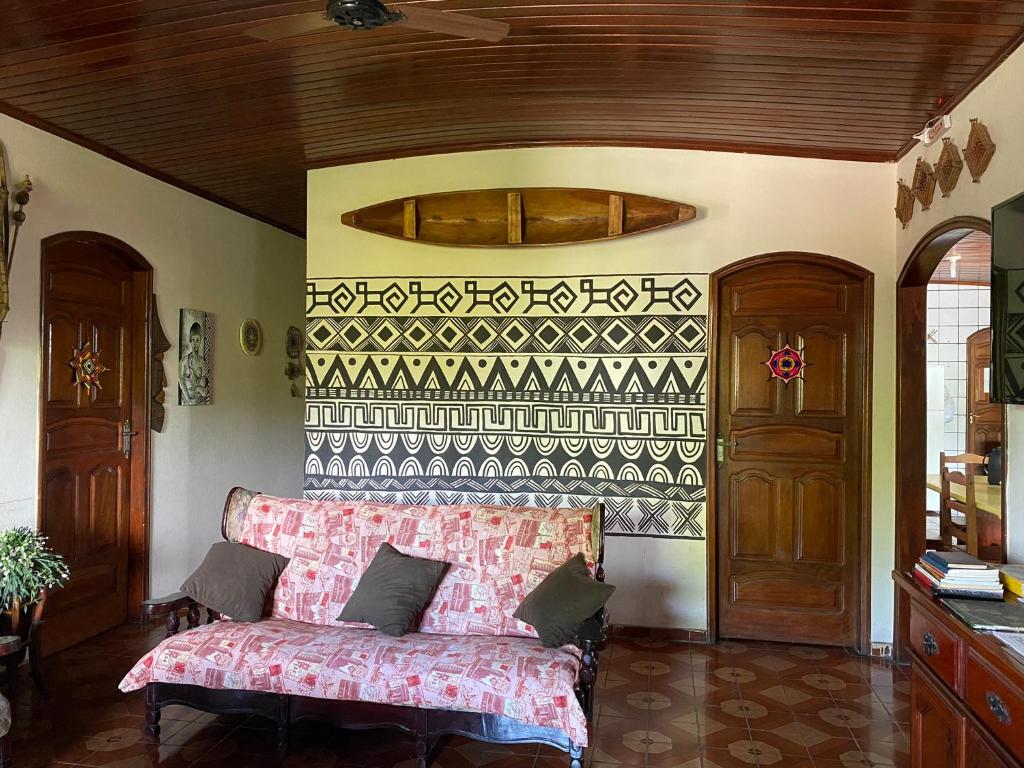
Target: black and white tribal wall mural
527 390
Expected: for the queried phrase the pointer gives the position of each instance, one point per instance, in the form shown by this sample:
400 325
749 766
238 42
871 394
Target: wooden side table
9 647
10 656
5 735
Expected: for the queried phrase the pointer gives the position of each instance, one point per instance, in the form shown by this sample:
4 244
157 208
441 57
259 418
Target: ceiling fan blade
457 24
301 24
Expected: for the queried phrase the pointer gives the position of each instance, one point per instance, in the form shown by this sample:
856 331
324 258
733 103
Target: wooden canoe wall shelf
532 216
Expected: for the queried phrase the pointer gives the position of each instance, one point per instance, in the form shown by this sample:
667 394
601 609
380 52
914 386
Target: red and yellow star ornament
87 367
786 364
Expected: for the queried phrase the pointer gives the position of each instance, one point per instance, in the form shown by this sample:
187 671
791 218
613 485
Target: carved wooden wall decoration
923 184
947 171
979 150
158 345
513 218
904 203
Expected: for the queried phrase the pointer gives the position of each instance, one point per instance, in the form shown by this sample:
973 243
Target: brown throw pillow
235 580
393 591
559 605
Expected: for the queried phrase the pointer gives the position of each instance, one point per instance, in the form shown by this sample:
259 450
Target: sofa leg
152 713
284 723
575 756
422 752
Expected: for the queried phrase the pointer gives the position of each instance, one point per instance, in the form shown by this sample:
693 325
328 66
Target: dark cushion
235 580
393 591
560 604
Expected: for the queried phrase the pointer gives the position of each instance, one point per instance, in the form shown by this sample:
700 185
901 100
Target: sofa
470 669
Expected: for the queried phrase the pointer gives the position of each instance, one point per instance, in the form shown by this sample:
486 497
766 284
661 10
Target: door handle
998 707
929 644
127 435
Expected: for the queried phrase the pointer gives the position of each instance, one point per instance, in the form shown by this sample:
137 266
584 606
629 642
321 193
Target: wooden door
937 730
85 476
790 479
984 418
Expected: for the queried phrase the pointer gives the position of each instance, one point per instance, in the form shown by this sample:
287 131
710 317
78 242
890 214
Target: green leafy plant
27 566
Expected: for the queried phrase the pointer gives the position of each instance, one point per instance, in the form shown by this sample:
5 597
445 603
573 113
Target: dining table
987 497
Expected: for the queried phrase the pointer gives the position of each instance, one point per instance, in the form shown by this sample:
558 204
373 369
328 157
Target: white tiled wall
954 313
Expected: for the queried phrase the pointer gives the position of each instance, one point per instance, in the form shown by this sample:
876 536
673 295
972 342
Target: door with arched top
792 414
94 423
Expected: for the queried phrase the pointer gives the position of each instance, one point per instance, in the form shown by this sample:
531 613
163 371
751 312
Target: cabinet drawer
938 646
997 702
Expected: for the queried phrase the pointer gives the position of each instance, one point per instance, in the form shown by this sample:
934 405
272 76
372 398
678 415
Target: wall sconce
10 224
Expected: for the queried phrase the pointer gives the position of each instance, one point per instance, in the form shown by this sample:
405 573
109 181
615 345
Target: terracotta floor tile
866 707
620 740
722 738
834 749
724 758
773 718
758 752
679 756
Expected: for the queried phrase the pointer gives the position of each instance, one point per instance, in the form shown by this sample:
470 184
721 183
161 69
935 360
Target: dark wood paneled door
790 455
89 296
984 418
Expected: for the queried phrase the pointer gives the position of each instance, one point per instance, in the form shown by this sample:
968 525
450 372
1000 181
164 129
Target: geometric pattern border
522 335
581 295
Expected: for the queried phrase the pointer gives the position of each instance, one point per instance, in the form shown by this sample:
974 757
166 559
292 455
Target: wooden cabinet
937 729
967 692
981 754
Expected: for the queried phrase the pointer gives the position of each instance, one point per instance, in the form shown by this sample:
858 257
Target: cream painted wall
748 205
997 102
204 257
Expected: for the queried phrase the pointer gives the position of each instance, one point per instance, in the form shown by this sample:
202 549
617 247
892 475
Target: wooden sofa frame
427 726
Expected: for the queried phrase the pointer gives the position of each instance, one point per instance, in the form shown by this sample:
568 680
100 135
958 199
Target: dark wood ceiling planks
177 89
969 262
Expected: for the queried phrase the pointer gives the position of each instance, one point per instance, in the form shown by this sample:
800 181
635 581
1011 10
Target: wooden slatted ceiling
969 262
176 87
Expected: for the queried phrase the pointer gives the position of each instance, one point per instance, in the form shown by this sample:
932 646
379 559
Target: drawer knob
998 707
929 644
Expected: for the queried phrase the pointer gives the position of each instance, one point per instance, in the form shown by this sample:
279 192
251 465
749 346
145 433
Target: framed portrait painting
195 357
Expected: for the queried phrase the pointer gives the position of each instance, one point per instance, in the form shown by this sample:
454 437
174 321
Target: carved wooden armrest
171 605
590 638
161 606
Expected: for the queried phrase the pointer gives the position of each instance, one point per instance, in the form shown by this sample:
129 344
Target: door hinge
720 446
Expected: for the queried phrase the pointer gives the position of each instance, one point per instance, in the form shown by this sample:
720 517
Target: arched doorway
94 430
789 492
912 342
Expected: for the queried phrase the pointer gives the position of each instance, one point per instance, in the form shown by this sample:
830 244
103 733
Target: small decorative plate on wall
250 336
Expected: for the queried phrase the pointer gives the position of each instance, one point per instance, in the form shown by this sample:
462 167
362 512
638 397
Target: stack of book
957 574
1013 578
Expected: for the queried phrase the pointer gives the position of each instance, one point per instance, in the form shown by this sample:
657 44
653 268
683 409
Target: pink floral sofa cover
470 654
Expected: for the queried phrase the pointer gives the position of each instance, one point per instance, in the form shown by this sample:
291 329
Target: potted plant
29 568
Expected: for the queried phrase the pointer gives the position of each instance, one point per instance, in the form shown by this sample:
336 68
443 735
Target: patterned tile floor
660 705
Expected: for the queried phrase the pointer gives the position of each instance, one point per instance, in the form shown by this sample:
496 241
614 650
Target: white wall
998 103
204 257
748 205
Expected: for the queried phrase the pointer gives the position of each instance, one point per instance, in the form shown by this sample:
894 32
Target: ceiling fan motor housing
361 14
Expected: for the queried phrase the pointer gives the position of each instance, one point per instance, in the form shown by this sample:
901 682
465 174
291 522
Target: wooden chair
967 532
